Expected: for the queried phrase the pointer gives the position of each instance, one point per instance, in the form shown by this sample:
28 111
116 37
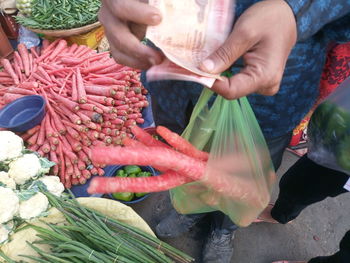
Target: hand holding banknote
264 36
125 23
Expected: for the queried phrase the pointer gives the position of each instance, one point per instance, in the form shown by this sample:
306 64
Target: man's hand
125 23
264 35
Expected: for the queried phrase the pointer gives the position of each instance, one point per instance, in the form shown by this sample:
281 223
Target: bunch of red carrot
180 164
91 100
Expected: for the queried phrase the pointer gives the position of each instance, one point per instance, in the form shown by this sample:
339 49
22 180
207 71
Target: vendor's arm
312 15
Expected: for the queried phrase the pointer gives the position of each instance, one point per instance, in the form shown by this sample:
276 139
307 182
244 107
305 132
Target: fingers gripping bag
239 175
329 130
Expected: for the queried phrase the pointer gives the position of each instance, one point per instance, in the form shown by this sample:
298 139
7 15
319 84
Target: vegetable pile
22 173
131 171
181 164
90 236
57 14
91 100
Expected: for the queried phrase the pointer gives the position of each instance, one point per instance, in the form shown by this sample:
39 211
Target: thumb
232 49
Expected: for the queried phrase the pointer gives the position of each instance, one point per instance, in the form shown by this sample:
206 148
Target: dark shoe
176 224
219 247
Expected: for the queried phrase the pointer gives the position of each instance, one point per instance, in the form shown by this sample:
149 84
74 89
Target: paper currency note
190 31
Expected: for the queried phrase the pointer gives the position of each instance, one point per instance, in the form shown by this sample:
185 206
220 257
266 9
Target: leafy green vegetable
60 14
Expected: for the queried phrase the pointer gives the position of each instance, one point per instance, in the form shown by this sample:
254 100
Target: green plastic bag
239 174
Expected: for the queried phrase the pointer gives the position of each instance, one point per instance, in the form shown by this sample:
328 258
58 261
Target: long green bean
60 14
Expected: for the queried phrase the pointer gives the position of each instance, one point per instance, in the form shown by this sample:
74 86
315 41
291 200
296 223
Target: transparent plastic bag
329 131
239 175
28 38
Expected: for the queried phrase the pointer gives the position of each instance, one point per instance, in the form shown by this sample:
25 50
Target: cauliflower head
24 168
7 180
53 185
5 230
9 204
34 206
11 145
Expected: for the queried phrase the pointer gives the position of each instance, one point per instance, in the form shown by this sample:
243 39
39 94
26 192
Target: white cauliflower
34 206
24 168
11 145
5 230
9 204
53 185
7 180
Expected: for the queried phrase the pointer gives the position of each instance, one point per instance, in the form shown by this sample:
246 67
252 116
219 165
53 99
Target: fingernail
156 19
208 65
152 61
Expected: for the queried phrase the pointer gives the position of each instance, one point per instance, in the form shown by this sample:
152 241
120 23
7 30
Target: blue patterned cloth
319 23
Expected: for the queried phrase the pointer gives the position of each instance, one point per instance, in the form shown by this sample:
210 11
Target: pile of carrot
91 100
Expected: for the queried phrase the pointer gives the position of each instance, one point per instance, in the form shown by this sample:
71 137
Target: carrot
140 121
53 140
100 171
33 147
62 44
45 147
92 116
169 180
86 174
54 158
7 66
31 65
71 61
120 103
83 156
73 106
146 138
97 67
58 122
92 126
72 116
33 130
72 132
41 79
8 97
88 107
41 137
131 142
105 81
80 88
76 146
28 85
99 90
112 68
109 101
105 109
23 51
153 156
44 74
33 139
99 99
33 51
19 60
72 48
74 89
180 144
48 128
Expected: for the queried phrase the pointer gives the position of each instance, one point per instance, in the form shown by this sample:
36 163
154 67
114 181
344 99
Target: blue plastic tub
112 171
23 114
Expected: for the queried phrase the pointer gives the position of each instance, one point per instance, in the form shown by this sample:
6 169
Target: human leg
303 184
